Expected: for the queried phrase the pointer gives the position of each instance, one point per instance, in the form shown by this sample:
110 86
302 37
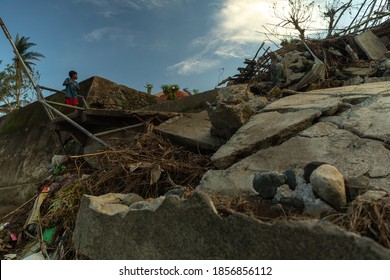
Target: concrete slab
368 120
322 142
304 101
262 131
350 154
358 71
372 46
367 89
185 229
17 194
191 130
227 182
6 209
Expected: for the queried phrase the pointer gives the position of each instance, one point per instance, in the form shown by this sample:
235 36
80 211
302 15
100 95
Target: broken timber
102 122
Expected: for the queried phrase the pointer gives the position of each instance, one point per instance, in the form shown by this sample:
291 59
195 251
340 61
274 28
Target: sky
193 43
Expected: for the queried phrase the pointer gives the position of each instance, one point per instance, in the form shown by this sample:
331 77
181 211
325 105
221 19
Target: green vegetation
149 88
15 88
170 91
191 92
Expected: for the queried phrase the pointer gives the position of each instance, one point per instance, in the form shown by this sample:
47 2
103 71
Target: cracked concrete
192 229
334 126
353 138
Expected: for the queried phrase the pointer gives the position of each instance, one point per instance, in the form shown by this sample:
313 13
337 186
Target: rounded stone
309 168
328 184
291 180
267 183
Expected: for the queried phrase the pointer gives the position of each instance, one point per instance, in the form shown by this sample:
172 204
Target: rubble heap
350 59
147 167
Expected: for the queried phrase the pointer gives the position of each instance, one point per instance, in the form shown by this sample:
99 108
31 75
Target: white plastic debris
58 159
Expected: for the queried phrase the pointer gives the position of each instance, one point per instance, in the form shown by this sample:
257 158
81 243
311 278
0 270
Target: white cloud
115 7
238 21
231 50
193 65
109 33
233 36
238 32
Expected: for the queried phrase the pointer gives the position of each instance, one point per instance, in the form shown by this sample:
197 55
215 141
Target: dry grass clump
368 217
148 166
255 207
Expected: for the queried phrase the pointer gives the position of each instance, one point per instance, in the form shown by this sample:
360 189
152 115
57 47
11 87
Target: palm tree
23 45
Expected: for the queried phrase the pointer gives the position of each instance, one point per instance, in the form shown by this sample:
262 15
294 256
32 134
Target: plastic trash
35 214
58 159
13 236
58 169
4 226
10 256
37 257
48 234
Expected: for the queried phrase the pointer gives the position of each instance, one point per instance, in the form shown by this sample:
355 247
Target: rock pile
336 61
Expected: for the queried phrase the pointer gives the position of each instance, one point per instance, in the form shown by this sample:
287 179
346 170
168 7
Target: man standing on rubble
72 88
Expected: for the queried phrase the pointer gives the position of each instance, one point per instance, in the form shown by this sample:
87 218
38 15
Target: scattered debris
130 168
320 63
148 166
147 171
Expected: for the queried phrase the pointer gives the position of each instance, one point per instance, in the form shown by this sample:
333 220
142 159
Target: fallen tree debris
318 63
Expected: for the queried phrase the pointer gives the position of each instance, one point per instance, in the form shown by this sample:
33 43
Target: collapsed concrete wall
27 142
107 228
105 94
26 148
24 160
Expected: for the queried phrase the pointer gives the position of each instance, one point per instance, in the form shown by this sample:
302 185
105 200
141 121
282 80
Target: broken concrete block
105 94
231 110
262 131
283 193
359 71
372 46
327 105
185 229
191 130
223 182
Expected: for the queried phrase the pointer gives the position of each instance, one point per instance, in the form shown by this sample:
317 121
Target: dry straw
368 217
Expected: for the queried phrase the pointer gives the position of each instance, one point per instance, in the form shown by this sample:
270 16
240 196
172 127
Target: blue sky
194 43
